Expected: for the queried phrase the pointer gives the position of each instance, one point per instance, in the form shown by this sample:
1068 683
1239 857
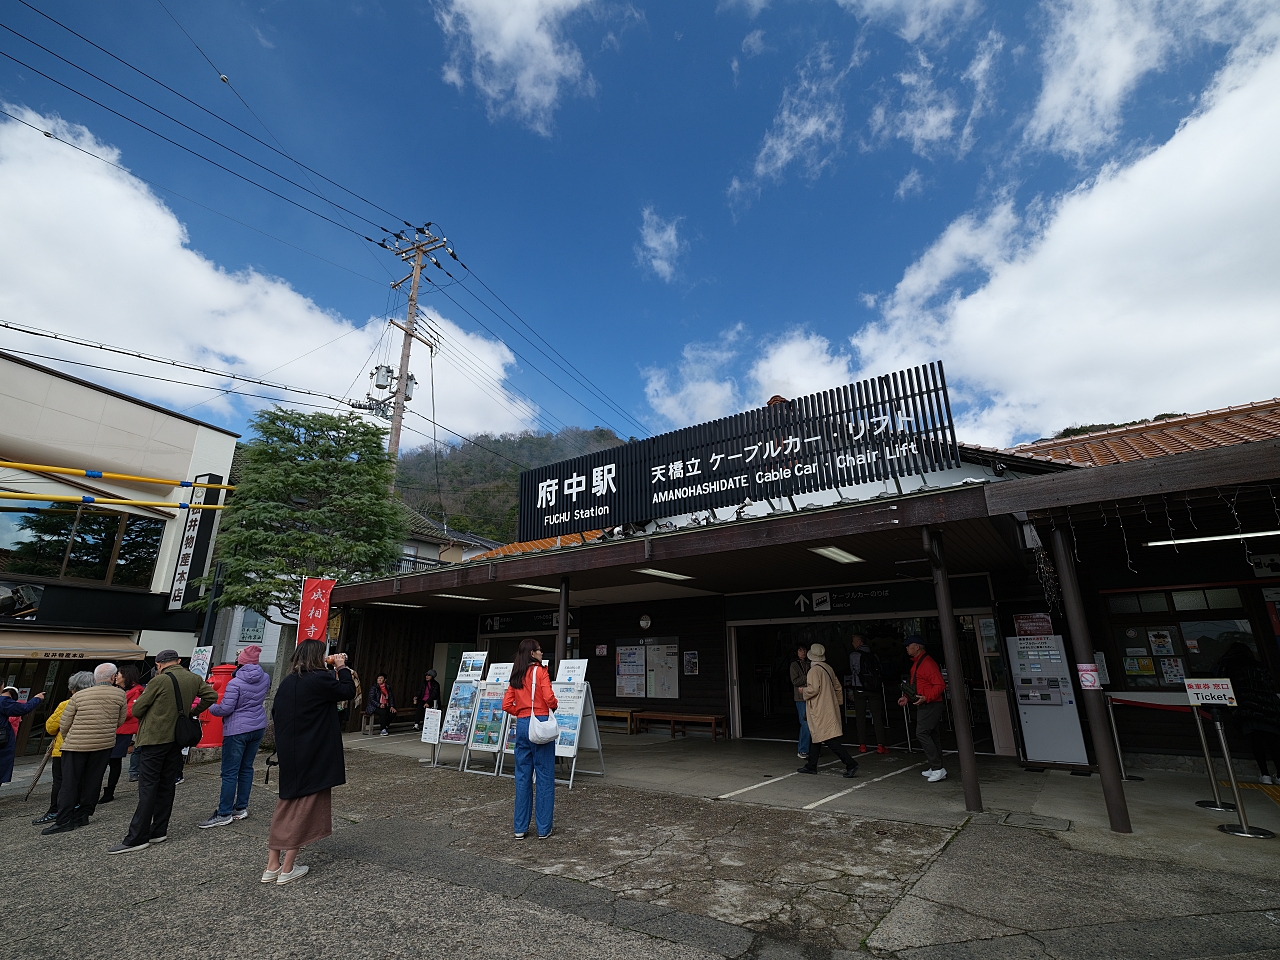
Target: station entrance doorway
766 702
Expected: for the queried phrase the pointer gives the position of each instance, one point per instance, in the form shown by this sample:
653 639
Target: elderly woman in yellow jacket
77 681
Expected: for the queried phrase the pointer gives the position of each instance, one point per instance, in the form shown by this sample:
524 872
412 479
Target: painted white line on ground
864 783
765 783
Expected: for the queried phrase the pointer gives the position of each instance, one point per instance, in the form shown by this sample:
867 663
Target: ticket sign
1211 692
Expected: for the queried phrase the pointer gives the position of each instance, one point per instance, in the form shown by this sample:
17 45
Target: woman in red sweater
129 680
529 692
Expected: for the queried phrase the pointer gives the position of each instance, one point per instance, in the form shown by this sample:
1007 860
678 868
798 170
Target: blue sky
1073 204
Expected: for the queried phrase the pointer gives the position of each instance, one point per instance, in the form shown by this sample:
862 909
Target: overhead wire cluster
330 202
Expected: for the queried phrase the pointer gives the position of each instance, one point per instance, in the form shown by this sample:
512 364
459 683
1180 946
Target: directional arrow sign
801 601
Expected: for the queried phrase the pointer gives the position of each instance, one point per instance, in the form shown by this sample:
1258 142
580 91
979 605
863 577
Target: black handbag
186 729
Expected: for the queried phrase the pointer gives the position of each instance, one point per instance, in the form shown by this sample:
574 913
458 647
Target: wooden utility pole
416 250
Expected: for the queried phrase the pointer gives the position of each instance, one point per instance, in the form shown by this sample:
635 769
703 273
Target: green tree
313 501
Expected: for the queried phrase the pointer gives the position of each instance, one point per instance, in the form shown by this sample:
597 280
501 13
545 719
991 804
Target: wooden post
955 672
1104 749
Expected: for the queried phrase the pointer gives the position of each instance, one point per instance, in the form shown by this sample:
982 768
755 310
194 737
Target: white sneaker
1265 779
925 773
297 871
383 733
415 726
936 775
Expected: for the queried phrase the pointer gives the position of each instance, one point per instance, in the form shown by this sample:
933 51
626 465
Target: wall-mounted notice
662 670
1172 670
457 718
1161 642
472 665
691 663
500 672
630 667
1032 624
431 726
572 671
1100 660
486 732
602 649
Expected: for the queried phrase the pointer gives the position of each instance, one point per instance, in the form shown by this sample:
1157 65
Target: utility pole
413 250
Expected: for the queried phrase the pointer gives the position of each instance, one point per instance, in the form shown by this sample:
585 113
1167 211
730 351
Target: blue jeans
805 739
534 759
238 753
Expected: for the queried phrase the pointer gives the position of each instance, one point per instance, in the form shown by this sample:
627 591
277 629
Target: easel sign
579 728
572 671
501 672
431 726
456 727
488 726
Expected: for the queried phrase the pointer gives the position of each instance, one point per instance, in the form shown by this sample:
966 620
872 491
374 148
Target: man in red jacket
926 680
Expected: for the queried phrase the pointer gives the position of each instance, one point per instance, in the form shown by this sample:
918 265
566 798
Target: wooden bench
619 713
644 717
369 722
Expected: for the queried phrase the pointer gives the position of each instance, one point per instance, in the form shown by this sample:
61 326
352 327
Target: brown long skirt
301 821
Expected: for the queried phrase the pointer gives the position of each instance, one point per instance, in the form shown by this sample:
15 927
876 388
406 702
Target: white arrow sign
801 601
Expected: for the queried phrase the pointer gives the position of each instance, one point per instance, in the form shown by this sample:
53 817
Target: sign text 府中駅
873 430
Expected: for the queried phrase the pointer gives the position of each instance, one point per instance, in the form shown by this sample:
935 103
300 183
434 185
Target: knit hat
13 690
818 653
431 673
167 656
249 654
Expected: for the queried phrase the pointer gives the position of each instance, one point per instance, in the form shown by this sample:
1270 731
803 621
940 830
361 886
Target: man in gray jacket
799 680
88 729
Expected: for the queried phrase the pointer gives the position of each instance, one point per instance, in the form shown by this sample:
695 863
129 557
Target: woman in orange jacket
529 692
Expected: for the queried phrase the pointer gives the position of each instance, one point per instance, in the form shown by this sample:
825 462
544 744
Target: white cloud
807 130
796 364
660 246
519 58
698 390
1151 288
913 19
144 285
753 43
928 115
1097 51
979 75
910 186
751 8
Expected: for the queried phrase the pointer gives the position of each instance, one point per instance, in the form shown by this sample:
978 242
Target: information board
199 663
457 717
572 671
630 665
490 719
1212 692
1046 699
431 726
662 671
472 665
500 671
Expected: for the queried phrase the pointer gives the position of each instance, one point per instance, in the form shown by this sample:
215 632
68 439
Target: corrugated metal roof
1161 438
533 546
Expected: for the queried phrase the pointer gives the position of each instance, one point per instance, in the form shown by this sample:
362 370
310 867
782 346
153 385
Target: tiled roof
1161 438
533 546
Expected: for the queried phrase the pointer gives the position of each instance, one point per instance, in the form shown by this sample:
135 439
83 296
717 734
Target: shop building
83 583
1166 536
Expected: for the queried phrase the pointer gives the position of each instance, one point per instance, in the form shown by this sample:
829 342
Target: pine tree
313 501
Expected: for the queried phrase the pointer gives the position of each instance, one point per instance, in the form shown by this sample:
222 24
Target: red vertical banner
313 613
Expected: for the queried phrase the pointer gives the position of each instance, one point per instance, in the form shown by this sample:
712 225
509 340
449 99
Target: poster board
490 720
431 726
629 664
501 672
571 671
1046 700
199 664
457 716
472 665
662 671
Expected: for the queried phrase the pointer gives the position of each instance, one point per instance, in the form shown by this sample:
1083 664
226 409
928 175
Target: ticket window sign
1211 692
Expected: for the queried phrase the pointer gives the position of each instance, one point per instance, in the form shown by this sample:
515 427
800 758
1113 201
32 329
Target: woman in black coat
309 746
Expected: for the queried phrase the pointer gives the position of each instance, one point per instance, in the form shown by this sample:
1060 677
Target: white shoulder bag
540 731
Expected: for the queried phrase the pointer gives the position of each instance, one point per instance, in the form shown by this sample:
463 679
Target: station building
84 583
1171 530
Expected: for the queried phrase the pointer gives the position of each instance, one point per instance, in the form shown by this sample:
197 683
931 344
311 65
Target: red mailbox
211 726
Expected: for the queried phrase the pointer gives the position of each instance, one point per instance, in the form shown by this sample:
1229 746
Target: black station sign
874 430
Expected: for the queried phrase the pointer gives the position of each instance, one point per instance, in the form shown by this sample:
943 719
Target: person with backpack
244 721
165 727
864 668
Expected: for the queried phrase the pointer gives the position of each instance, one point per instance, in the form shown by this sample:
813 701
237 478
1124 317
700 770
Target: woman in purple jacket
244 721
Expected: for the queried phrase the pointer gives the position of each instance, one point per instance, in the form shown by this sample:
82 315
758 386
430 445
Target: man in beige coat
823 698
88 731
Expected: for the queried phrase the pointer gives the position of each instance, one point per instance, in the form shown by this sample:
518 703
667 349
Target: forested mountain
479 488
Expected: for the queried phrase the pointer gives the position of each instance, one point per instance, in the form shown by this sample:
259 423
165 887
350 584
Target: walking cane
40 770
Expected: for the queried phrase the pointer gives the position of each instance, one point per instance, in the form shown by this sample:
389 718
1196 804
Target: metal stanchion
1216 803
1115 735
1241 829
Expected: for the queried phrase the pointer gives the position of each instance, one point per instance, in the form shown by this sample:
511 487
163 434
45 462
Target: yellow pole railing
106 475
54 498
